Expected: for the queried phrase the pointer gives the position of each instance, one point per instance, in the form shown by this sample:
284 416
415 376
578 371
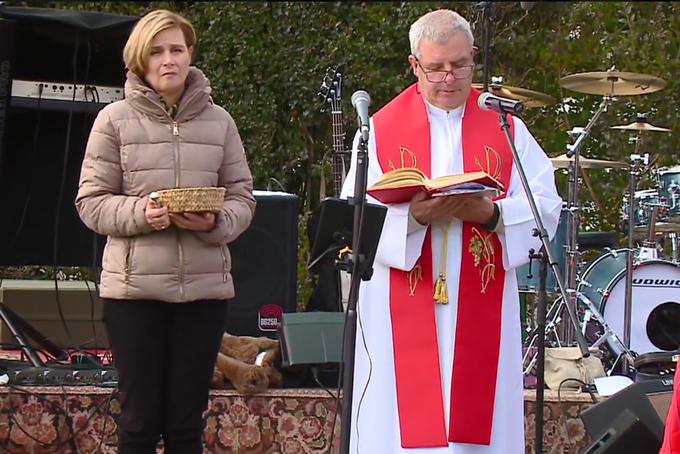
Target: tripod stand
18 326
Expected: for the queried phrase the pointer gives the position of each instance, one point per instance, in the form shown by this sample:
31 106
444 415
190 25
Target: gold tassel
440 294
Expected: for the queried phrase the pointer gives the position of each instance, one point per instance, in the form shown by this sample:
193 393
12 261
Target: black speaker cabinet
629 419
43 144
6 63
626 434
264 267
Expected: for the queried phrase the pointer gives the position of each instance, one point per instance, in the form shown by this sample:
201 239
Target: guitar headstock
331 86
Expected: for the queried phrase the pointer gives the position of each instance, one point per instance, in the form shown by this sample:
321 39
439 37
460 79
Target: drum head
655 314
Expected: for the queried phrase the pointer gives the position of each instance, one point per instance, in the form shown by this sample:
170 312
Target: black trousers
164 355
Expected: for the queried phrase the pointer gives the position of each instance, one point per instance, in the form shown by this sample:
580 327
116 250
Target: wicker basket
192 199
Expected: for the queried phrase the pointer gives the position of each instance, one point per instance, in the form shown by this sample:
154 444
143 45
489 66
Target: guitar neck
339 167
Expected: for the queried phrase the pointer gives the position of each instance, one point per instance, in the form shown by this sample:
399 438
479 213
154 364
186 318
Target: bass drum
655 313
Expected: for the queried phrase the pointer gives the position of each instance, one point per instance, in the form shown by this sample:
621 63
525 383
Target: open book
400 185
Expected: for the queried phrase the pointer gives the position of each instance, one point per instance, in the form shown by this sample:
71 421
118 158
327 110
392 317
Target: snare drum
668 181
655 312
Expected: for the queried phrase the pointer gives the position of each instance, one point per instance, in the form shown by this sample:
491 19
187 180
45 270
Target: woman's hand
156 217
200 222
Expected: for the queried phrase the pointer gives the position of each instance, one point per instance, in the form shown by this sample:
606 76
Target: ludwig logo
269 317
656 282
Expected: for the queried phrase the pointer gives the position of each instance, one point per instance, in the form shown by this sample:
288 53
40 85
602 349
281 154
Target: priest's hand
200 222
466 207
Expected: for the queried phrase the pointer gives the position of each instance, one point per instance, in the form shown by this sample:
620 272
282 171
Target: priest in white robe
438 103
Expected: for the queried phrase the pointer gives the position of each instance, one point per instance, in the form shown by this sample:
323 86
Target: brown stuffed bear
249 364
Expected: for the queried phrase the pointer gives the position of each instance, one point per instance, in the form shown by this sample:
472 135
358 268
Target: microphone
360 101
487 101
526 6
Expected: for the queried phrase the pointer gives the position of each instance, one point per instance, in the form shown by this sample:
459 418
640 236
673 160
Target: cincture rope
440 293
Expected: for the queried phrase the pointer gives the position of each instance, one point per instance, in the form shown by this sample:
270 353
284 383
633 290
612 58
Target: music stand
334 233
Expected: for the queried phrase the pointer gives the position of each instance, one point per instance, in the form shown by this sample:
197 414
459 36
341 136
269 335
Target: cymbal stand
571 248
634 171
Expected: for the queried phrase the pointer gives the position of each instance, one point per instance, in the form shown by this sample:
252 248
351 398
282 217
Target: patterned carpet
82 420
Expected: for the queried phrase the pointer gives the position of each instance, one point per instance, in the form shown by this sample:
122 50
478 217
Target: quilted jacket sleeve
100 202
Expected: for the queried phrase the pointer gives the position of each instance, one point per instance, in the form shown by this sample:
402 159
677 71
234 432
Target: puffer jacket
135 147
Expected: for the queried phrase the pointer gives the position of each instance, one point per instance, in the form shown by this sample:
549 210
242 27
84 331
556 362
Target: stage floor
82 420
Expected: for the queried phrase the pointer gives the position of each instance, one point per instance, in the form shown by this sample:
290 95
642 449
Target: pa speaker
626 433
645 421
264 267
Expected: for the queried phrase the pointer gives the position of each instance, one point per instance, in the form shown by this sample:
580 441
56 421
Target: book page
408 176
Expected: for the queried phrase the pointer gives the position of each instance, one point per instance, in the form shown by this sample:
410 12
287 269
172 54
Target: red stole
671 439
402 133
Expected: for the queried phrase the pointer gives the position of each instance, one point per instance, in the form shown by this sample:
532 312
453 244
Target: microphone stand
486 13
358 272
540 344
546 253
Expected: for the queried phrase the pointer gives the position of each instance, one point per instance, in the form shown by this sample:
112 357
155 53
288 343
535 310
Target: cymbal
527 97
613 83
641 126
562 162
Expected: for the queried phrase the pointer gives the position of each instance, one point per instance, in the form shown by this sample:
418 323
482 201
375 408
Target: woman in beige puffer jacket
165 276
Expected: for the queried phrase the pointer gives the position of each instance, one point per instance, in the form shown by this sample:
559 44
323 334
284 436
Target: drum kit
627 298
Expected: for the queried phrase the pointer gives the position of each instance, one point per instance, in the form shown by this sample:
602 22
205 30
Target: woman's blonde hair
137 48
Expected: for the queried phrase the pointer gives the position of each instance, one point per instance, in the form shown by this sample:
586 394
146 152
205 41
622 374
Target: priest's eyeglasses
438 76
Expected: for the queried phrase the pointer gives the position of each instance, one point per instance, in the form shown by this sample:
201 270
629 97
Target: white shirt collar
438 112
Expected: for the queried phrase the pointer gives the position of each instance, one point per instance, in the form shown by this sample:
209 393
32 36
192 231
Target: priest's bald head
442 57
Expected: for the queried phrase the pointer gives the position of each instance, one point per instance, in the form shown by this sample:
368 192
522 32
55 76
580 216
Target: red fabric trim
475 361
414 329
403 124
671 439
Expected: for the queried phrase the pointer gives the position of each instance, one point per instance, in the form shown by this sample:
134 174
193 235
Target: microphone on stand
487 101
360 101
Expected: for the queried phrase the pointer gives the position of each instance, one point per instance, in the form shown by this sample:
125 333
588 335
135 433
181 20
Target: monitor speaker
264 267
626 433
646 403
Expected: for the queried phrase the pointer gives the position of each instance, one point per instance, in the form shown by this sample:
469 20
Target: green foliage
266 61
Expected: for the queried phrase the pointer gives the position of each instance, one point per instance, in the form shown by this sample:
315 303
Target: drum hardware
673 236
608 84
634 170
553 319
527 97
655 365
573 207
